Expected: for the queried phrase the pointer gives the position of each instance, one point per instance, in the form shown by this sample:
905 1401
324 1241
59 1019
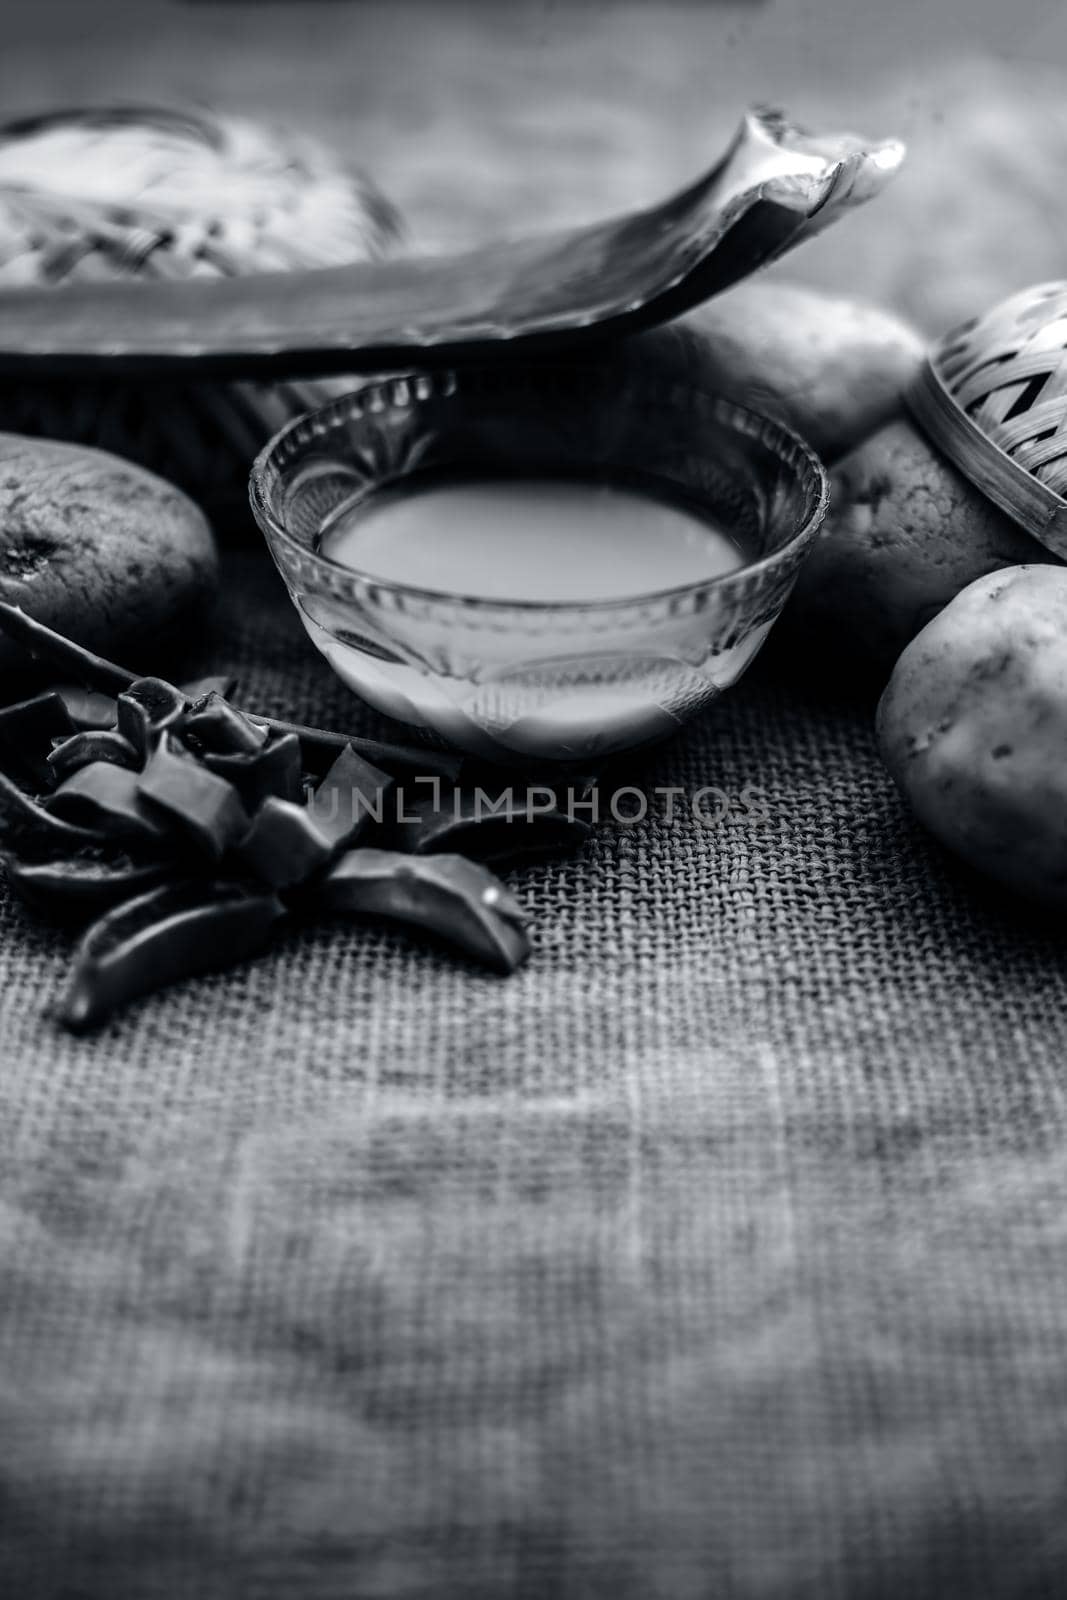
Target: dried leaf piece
27 826
514 826
447 895
275 769
106 798
175 931
27 730
213 724
146 709
351 795
87 708
90 745
284 846
205 805
83 883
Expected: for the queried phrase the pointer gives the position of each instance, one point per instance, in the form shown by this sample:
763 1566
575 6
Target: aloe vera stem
43 643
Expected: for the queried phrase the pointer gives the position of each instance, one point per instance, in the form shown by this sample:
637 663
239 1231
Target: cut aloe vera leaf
106 798
88 708
284 846
213 724
146 709
26 826
176 931
448 896
350 797
547 291
27 732
81 884
275 769
204 806
87 746
515 826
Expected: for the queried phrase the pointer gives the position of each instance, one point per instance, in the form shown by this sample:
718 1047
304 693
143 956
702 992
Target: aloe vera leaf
146 709
175 931
82 884
25 824
91 745
106 797
515 828
564 288
283 847
205 805
350 796
45 644
213 724
458 900
275 769
87 708
27 731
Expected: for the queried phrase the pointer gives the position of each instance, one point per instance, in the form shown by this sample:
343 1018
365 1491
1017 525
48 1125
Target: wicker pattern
134 192
1008 371
993 396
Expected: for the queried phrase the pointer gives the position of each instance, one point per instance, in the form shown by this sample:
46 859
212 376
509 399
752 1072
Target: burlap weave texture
718 1253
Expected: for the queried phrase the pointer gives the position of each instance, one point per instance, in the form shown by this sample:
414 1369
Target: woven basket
993 396
132 192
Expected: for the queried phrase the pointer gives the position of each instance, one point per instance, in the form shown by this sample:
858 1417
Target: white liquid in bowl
538 539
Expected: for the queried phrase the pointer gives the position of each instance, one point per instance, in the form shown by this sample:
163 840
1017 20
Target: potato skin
973 728
905 533
832 369
96 547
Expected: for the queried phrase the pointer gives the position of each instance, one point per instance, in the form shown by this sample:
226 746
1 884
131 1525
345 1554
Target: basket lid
992 395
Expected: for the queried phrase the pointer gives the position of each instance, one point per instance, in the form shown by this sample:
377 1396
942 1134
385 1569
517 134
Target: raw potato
98 548
833 369
905 533
973 728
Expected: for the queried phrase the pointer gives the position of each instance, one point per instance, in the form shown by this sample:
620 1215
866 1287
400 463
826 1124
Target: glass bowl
528 682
